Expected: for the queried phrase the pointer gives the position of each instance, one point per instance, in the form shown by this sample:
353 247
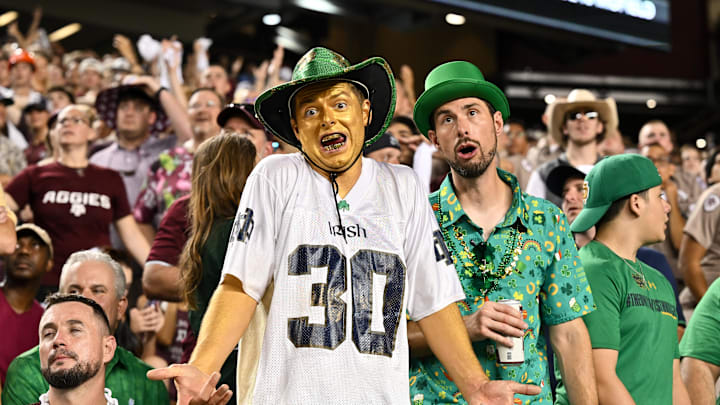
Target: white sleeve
422 164
251 248
536 186
433 283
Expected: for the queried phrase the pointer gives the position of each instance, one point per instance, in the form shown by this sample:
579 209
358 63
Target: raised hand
151 84
412 141
124 47
175 48
495 321
275 65
14 31
408 81
237 66
149 319
260 74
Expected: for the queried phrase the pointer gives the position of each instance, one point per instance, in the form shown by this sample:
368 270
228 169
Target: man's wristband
160 90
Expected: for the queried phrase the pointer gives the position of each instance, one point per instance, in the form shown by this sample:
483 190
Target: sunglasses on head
591 115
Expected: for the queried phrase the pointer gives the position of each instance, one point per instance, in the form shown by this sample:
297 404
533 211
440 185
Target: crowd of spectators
108 168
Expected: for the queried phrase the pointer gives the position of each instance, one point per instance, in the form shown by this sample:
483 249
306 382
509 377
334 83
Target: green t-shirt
701 339
636 317
546 277
213 256
124 376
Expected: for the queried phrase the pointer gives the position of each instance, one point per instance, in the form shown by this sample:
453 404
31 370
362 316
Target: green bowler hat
611 179
453 80
373 76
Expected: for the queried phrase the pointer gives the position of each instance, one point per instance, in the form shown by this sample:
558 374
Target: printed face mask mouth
334 141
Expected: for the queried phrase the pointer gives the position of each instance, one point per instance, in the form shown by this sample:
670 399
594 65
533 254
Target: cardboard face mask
323 67
329 121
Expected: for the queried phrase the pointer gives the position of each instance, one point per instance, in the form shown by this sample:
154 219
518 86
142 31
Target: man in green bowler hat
634 329
506 245
351 247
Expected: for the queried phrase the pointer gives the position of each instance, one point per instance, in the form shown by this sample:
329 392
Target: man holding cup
506 245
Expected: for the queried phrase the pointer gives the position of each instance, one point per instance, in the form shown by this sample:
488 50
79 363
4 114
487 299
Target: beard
131 134
203 131
470 169
72 377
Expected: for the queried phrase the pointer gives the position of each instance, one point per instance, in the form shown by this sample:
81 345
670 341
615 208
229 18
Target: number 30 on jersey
364 264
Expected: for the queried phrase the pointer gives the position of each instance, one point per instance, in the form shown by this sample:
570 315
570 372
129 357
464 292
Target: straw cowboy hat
580 98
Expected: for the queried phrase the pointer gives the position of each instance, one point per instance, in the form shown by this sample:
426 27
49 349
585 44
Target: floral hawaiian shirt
530 257
168 179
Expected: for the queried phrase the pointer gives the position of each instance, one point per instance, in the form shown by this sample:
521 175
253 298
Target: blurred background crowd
103 110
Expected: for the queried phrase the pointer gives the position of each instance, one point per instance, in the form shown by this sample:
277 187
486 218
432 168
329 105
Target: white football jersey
337 331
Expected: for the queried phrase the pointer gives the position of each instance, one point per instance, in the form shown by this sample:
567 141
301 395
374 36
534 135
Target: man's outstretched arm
219 333
447 337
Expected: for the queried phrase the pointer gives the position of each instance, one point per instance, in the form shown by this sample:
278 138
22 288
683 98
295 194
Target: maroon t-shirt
20 332
75 207
36 153
172 233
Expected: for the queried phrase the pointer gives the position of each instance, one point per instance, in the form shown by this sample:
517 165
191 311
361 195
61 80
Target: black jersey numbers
441 250
364 265
243 226
332 333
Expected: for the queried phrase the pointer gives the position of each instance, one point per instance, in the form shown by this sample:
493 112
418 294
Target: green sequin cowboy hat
319 64
453 80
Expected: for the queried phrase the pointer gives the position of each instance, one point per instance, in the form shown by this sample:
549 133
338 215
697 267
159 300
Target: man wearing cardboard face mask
351 245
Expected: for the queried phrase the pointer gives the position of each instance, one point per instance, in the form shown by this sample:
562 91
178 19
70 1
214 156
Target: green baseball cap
453 80
373 75
611 179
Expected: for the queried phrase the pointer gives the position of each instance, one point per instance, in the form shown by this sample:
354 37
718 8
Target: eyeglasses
68 120
207 104
591 115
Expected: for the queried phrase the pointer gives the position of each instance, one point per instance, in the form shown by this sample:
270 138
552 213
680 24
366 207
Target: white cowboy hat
580 98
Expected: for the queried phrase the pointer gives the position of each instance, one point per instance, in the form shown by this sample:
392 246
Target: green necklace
477 263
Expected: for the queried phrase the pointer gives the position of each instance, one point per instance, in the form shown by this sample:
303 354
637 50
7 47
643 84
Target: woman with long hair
220 168
74 200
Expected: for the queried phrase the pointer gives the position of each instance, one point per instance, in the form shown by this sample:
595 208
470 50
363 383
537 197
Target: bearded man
506 245
75 346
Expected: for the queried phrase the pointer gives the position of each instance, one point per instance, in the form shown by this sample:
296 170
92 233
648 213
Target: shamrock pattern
548 279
